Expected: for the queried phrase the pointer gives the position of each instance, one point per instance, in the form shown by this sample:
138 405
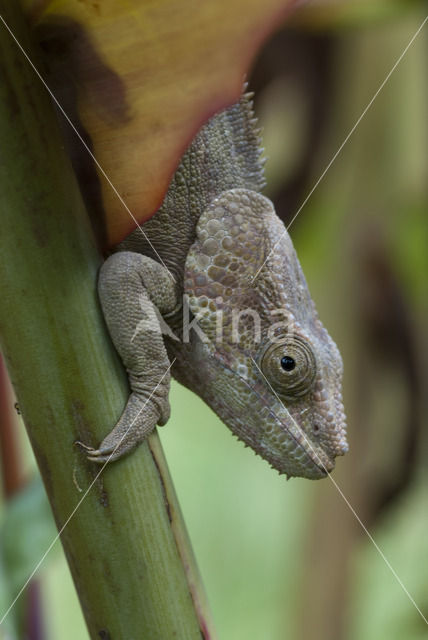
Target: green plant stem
126 543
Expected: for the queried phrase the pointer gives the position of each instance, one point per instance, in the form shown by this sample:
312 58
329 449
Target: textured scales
252 347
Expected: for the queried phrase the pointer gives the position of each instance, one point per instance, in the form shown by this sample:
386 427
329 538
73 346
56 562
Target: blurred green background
289 560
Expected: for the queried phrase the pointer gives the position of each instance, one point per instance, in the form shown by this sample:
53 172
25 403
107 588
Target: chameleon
210 291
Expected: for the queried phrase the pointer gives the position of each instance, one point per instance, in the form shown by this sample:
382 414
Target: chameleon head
285 402
304 372
277 385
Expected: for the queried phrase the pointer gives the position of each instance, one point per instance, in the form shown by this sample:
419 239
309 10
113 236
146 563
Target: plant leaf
141 78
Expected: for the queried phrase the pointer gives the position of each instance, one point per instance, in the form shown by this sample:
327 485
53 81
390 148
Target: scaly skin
255 351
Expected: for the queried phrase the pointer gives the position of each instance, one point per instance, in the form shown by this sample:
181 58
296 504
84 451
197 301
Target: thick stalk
126 543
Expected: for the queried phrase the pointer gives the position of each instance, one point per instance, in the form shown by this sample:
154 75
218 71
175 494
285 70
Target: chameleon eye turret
290 367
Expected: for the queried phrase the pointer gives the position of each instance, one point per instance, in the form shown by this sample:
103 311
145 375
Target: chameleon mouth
316 455
321 462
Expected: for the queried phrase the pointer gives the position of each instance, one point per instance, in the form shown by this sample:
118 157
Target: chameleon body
213 287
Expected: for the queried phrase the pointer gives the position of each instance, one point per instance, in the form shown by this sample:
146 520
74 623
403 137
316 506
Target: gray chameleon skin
279 389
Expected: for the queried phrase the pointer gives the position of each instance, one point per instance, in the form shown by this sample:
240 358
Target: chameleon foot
138 420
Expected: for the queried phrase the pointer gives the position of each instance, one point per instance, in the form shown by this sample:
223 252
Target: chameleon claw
82 445
107 454
97 455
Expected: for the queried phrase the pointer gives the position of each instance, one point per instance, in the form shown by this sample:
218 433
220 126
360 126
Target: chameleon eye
288 363
290 367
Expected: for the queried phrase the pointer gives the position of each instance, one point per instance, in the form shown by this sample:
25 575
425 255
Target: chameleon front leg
131 288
